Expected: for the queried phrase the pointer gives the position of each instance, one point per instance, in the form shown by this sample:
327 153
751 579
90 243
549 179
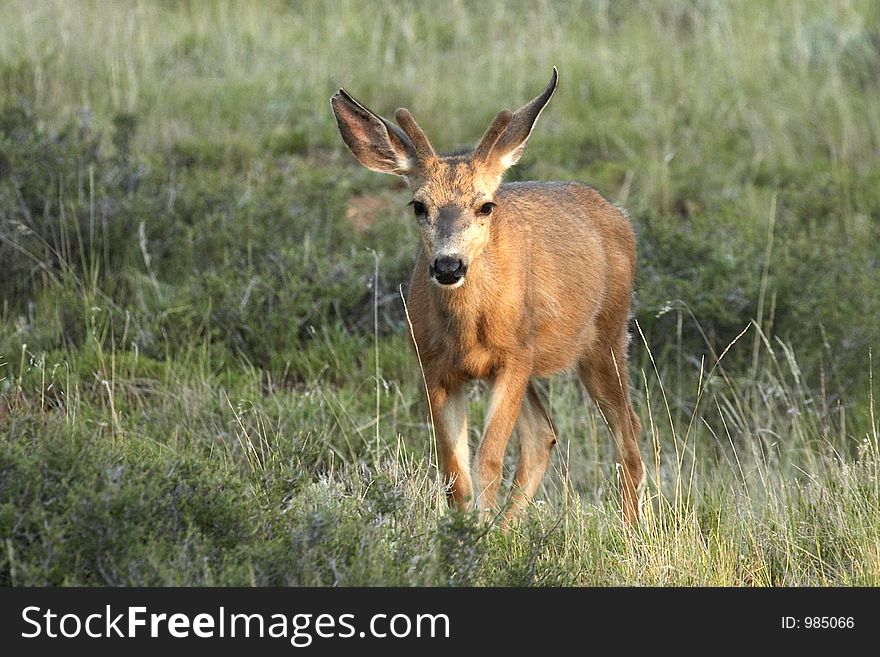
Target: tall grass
204 368
753 485
678 84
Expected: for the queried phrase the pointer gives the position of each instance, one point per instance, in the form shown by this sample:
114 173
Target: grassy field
204 368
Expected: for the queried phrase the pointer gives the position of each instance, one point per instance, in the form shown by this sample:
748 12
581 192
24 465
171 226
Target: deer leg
508 391
603 373
449 409
537 437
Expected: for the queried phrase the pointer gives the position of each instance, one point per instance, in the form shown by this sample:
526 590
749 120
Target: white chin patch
443 286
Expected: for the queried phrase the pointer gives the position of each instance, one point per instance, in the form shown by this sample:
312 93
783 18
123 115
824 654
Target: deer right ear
506 138
376 143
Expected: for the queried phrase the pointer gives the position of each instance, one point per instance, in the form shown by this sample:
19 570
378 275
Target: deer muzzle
448 270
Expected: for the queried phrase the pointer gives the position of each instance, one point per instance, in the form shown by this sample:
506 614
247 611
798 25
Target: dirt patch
363 210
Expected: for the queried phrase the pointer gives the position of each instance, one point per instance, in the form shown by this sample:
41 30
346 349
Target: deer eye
419 208
486 209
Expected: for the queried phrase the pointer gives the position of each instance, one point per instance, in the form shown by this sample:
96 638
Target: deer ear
376 143
511 143
493 133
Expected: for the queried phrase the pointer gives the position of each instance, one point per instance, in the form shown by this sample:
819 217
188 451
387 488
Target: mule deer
513 281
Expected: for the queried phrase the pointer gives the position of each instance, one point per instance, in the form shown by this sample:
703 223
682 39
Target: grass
174 473
204 368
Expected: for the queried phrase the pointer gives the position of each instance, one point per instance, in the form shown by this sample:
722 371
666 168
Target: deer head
452 195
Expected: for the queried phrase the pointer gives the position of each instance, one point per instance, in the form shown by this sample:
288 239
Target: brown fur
548 284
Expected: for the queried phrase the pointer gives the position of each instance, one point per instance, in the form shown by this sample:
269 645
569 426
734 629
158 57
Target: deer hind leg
537 437
603 373
449 409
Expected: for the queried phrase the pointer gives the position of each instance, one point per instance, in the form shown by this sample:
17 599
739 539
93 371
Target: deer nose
448 270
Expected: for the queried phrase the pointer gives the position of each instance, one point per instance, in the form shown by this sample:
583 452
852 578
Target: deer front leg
449 409
508 391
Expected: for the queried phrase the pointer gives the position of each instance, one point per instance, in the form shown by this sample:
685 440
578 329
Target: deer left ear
377 143
511 142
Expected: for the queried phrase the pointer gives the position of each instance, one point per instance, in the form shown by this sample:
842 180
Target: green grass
176 473
204 368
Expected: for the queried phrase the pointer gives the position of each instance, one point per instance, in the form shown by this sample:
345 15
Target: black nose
448 270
